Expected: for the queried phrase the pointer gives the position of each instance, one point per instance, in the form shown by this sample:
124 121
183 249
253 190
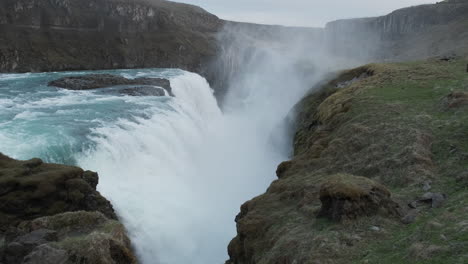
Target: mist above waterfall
178 179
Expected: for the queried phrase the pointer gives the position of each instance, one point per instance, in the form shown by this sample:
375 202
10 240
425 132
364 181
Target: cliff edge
412 33
379 173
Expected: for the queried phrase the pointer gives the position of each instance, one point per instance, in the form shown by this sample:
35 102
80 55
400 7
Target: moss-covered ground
421 91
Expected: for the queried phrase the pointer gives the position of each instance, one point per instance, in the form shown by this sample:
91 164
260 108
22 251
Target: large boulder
95 81
31 189
143 91
346 196
52 213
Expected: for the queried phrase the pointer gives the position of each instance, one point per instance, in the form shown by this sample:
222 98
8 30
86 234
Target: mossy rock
346 196
78 237
32 189
456 99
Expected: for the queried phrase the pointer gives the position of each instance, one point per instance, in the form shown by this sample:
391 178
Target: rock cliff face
410 33
53 214
43 35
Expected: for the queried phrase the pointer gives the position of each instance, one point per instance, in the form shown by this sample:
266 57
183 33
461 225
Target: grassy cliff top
402 125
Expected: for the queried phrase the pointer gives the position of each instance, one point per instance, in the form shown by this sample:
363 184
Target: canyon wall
410 33
57 35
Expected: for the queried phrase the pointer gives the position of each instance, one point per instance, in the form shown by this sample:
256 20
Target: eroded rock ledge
51 214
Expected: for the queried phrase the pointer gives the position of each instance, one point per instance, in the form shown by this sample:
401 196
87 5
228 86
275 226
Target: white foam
6 103
14 76
28 115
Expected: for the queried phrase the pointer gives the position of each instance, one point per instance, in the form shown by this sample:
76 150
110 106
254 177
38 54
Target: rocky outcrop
53 214
145 86
346 196
39 35
144 91
32 189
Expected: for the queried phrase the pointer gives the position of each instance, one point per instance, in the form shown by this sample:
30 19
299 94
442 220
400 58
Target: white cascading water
148 170
178 179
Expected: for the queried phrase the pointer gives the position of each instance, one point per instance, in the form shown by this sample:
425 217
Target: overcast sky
300 12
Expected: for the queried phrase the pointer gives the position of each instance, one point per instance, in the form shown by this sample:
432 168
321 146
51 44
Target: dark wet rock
95 81
143 91
345 196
